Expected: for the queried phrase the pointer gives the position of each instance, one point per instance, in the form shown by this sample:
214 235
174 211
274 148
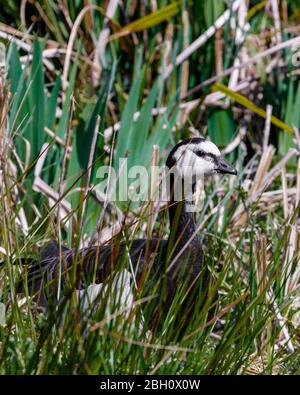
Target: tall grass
58 125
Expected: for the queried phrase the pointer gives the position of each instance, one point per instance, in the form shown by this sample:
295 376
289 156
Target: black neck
182 226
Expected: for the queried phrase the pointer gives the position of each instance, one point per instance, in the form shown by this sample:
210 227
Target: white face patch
189 164
208 147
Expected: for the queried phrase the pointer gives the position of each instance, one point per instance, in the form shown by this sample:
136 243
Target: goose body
176 259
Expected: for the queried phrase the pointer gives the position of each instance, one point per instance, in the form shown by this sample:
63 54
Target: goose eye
200 153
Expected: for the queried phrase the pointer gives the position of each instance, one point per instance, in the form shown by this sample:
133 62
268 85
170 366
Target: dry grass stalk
275 196
261 263
61 190
289 257
89 172
58 139
242 24
153 190
99 57
260 55
263 167
258 365
187 52
211 99
80 17
109 232
159 35
11 38
294 238
21 218
281 322
185 66
262 279
219 315
116 228
264 164
26 37
168 45
284 194
67 149
220 219
166 356
276 17
41 186
298 183
262 283
267 127
236 141
218 52
142 344
8 170
240 216
275 171
239 40
26 47
63 6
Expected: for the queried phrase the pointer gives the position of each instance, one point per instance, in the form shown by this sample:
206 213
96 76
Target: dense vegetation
85 83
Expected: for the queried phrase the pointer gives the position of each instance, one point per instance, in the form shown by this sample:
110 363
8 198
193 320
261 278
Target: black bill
224 167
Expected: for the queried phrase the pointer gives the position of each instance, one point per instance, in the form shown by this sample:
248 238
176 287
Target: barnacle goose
155 261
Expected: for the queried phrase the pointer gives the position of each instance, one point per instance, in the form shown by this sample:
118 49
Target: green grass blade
251 106
52 104
125 132
152 19
37 100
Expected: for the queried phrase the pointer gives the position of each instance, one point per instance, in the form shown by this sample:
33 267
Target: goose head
197 157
